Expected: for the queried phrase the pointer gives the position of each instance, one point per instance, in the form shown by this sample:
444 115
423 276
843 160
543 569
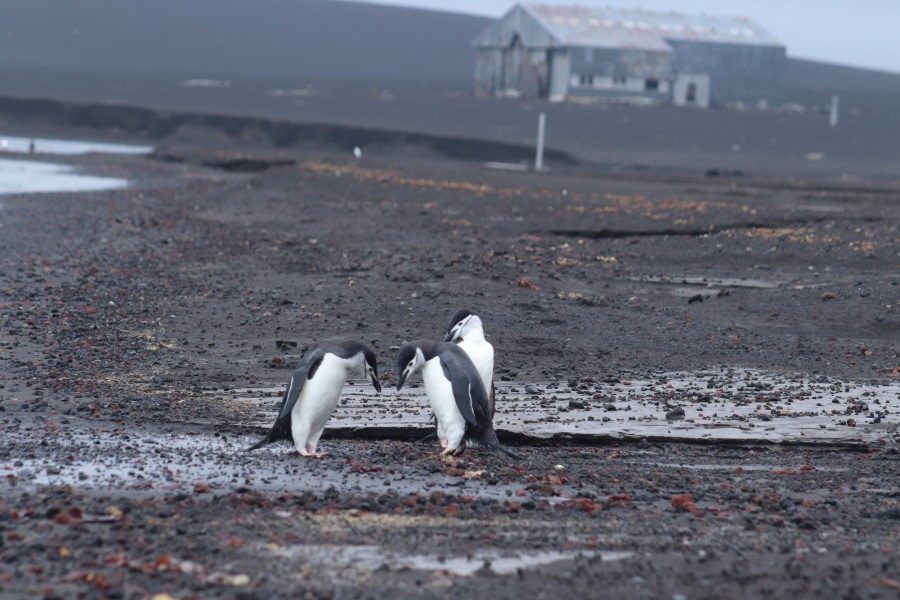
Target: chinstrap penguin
456 394
467 331
314 390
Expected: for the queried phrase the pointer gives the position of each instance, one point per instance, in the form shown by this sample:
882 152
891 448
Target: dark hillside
283 38
818 76
204 38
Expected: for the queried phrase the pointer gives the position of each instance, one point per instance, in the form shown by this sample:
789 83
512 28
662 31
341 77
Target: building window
651 84
619 80
586 79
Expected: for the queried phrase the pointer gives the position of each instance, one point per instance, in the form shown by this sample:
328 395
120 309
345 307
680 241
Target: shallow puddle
173 463
741 467
708 281
375 557
721 405
29 177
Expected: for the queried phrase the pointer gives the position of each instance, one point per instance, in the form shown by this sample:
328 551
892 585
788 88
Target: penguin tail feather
280 431
258 444
506 451
430 437
491 441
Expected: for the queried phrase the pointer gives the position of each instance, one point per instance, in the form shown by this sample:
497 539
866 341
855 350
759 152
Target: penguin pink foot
310 450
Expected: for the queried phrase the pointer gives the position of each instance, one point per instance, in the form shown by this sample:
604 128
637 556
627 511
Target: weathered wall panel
619 72
487 71
749 74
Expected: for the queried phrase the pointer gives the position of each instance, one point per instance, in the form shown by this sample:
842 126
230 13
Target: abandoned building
561 52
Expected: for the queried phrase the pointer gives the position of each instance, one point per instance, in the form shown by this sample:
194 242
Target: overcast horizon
866 29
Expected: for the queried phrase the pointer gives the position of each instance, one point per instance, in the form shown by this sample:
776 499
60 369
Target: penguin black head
410 359
353 350
371 367
456 324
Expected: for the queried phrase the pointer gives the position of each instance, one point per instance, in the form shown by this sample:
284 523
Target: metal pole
833 115
539 153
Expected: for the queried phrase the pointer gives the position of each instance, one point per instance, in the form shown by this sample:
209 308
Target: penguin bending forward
314 390
466 330
456 393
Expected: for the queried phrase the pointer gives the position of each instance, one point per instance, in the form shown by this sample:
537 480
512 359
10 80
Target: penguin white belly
316 403
451 424
481 353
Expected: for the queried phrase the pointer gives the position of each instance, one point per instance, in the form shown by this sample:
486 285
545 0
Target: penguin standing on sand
467 331
456 393
314 390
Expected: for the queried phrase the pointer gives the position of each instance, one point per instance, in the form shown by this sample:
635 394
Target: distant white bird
357 151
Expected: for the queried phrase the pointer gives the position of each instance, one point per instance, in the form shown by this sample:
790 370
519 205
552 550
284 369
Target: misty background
861 33
312 38
384 68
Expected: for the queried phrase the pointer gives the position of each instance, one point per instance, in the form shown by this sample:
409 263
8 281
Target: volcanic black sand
127 316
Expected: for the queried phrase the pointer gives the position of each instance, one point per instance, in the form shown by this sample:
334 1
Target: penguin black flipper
281 430
305 371
468 390
491 395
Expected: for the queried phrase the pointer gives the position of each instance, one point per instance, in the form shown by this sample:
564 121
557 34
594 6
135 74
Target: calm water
29 177
69 147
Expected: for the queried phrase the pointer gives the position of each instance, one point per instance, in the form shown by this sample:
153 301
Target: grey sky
862 33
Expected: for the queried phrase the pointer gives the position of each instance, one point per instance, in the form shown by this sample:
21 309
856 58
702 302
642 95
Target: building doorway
691 90
511 74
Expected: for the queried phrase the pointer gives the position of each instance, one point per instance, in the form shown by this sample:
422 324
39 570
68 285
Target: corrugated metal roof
619 28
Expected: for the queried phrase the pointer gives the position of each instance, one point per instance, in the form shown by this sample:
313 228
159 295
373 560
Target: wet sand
135 321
